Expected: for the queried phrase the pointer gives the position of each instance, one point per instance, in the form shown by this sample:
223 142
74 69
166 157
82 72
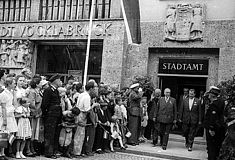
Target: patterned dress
24 128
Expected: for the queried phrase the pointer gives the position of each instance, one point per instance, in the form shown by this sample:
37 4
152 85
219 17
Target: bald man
166 115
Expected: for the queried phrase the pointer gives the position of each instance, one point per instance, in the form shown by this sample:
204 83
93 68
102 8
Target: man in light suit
166 115
190 115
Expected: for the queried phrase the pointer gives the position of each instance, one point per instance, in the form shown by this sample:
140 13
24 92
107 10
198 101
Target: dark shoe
99 152
51 157
123 148
112 151
107 151
164 147
30 154
189 149
132 144
90 154
68 155
11 155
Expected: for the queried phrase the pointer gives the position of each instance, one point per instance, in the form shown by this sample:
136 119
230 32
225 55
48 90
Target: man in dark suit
182 97
214 124
152 107
190 114
166 115
52 114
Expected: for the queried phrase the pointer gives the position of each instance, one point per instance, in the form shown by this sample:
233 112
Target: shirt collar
53 87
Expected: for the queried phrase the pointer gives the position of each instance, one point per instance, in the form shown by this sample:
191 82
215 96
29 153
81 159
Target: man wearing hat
214 124
134 111
52 114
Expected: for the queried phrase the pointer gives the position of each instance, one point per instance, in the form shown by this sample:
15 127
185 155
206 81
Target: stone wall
216 34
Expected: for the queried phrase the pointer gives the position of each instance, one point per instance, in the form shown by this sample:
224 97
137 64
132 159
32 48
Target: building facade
50 36
184 44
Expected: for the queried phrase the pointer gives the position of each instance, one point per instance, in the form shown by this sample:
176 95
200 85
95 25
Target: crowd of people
46 117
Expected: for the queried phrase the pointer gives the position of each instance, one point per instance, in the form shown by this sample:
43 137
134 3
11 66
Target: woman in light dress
7 118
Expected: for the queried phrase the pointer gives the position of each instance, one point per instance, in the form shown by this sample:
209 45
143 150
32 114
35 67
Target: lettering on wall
183 66
53 30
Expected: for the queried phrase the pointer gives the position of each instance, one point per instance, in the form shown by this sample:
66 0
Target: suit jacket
152 108
166 111
192 116
134 102
102 117
51 103
214 117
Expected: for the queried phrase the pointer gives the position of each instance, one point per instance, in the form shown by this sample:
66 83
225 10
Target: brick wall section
216 34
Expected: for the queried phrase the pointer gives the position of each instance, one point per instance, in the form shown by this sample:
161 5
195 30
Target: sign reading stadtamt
183 66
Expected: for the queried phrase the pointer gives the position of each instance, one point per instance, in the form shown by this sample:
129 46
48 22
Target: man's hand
152 97
199 123
212 133
154 119
95 105
174 121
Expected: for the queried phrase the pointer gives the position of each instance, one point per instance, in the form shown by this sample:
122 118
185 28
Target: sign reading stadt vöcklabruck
183 66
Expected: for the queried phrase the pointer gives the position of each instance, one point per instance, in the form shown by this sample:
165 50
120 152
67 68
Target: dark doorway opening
177 84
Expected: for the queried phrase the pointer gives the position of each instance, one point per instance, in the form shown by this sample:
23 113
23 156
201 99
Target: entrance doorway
177 84
69 57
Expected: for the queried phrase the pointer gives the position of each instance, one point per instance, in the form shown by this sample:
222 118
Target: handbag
4 138
128 134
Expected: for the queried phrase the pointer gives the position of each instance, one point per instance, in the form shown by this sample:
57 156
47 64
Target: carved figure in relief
12 49
196 29
170 23
4 53
28 53
21 51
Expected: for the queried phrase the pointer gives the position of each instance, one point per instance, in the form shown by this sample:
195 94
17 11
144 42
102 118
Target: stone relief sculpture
4 53
170 23
184 22
16 54
196 29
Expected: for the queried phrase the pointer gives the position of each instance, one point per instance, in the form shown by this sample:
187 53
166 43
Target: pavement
145 151
176 149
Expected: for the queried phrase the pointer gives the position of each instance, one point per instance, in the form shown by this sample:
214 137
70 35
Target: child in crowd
121 113
68 122
115 133
144 118
24 128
